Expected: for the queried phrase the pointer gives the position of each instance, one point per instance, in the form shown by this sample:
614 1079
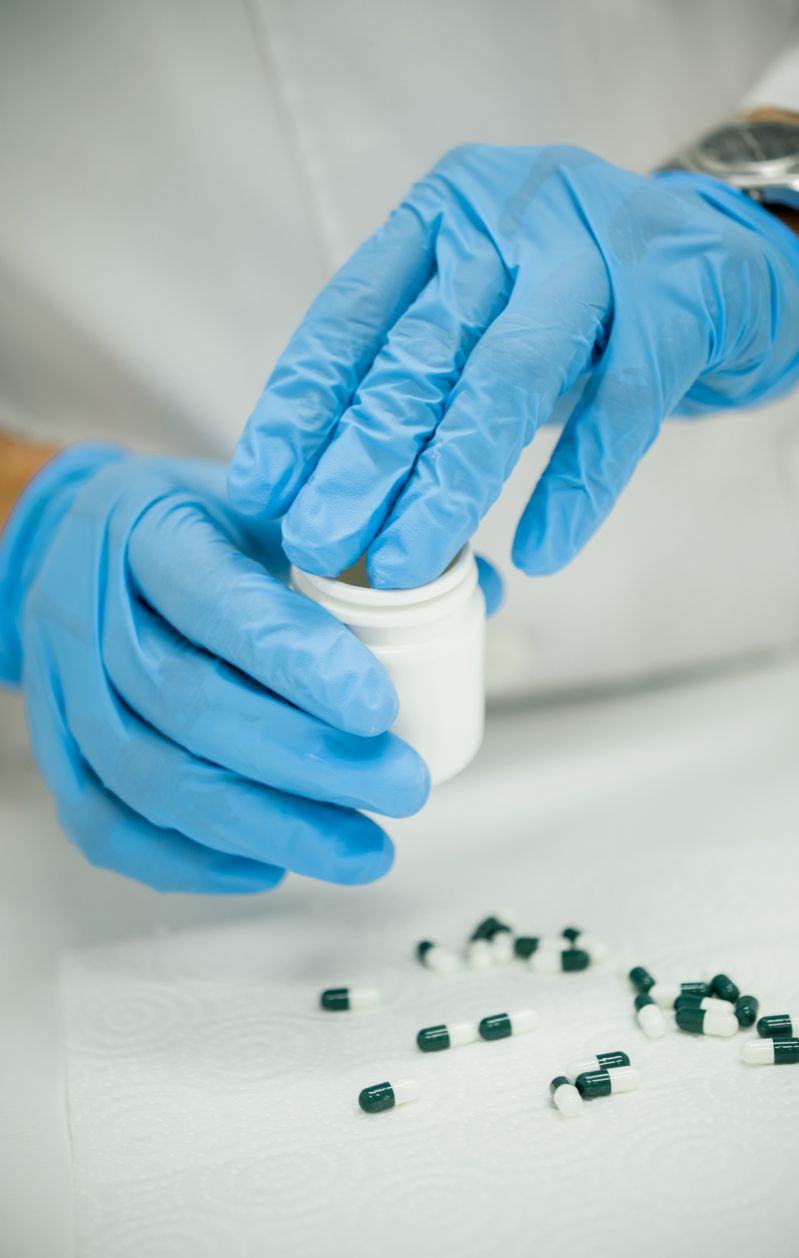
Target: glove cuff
26 537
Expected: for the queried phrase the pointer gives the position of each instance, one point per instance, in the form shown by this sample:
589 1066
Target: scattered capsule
779 1026
723 987
604 1082
641 979
746 1010
436 958
547 961
480 954
433 1039
706 1022
501 1025
596 948
502 946
387 1095
649 1016
665 994
771 1052
602 1061
349 998
525 945
566 1096
704 1002
487 928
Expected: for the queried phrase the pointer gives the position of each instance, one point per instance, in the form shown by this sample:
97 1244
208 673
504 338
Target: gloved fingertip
370 865
491 583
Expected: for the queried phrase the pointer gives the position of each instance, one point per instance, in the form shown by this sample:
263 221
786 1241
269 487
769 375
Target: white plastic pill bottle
431 641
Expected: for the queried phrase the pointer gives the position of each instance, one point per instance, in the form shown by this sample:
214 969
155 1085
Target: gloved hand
202 727
404 399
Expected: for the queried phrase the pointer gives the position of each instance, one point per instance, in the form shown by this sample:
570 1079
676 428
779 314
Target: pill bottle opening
356 575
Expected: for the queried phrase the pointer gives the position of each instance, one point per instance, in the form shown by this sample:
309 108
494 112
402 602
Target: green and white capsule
434 957
704 1002
596 948
779 1026
525 945
665 994
746 1010
434 1039
641 979
649 1016
602 1061
721 985
707 1022
771 1052
387 1095
548 961
566 1096
480 954
607 1082
500 1025
338 998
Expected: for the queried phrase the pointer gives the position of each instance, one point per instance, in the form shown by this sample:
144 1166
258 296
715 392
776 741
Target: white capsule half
665 994
406 1090
523 1021
440 960
502 947
363 997
624 1079
719 1023
758 1053
568 1100
651 1021
480 954
461 1033
596 948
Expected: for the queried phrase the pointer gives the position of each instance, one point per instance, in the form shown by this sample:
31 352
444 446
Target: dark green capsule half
721 985
593 1083
746 1008
574 959
433 1039
571 933
608 1061
778 1026
525 945
487 928
695 989
785 1052
423 948
691 1020
335 998
380 1097
558 1083
641 978
497 1027
642 999
688 1002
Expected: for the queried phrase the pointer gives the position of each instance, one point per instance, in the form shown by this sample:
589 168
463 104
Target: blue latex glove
425 366
202 727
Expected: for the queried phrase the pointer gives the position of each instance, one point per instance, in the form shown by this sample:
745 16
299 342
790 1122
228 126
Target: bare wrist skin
784 213
19 463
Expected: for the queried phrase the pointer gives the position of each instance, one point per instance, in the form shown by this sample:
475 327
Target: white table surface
710 764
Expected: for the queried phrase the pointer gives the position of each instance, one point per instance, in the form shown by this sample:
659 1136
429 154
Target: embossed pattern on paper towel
214 1106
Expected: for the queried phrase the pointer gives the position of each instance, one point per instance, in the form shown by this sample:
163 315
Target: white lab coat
181 176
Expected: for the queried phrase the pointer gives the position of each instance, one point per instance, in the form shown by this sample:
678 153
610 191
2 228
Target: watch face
750 144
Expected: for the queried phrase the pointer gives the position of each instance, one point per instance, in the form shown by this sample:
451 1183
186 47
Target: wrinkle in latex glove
174 701
405 397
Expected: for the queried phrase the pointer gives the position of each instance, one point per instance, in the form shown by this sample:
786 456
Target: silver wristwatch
760 157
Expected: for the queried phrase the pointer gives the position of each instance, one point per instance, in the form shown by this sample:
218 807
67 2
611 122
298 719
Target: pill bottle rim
456 572
390 611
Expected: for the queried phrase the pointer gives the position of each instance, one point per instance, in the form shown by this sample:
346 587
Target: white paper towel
214 1105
